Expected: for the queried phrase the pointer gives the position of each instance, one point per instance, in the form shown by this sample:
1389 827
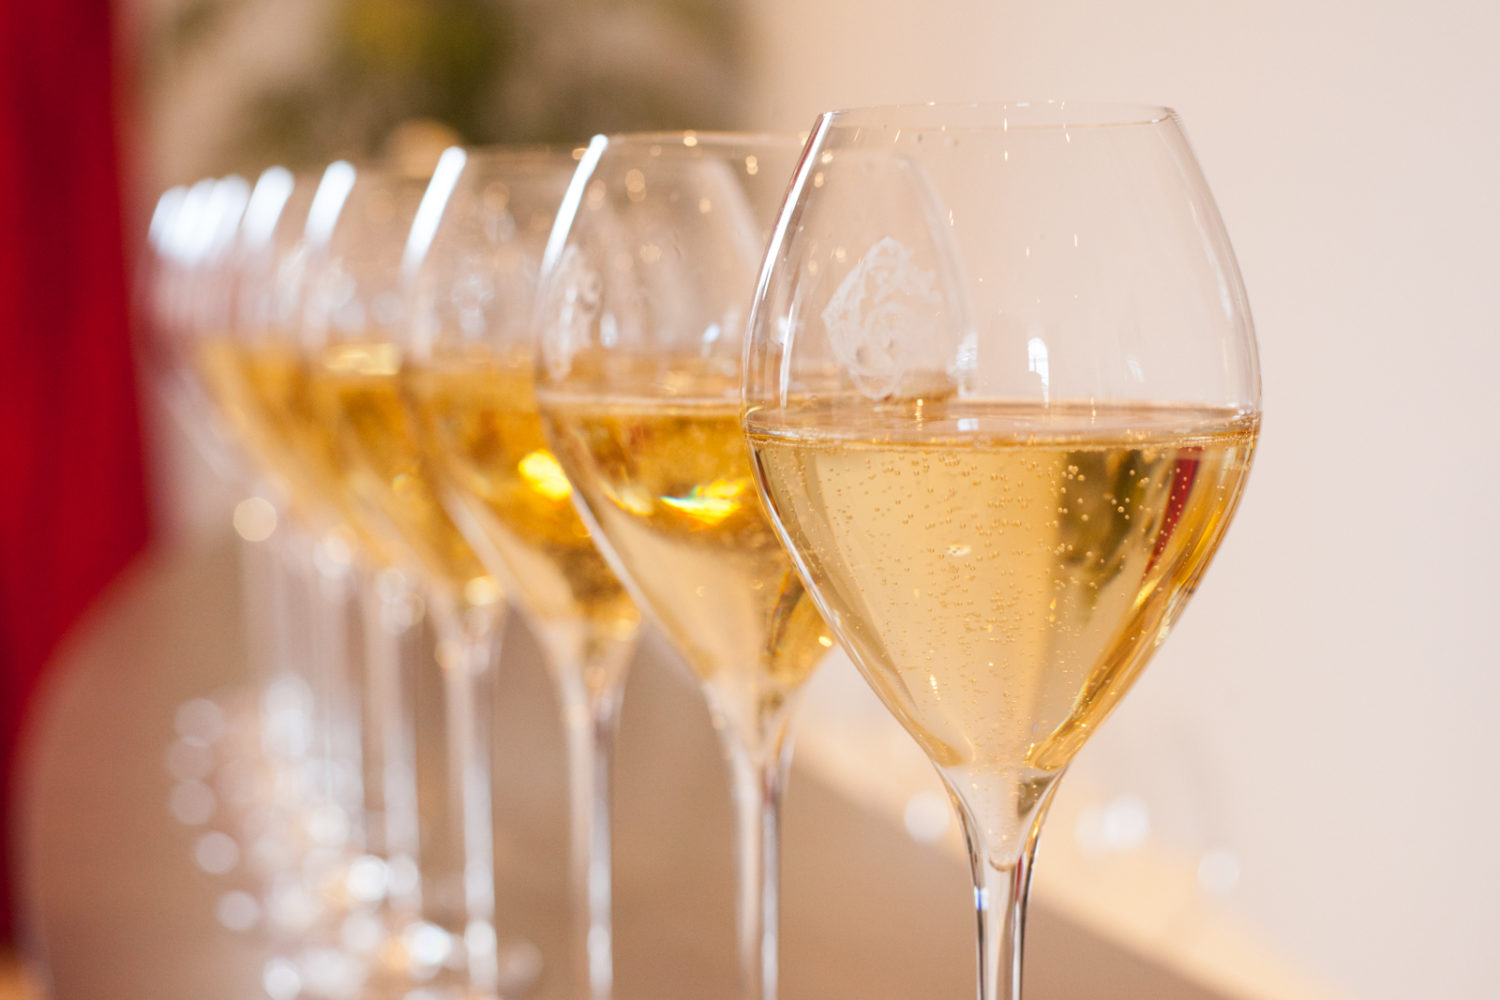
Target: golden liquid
480 420
238 381
263 386
1001 576
357 398
670 485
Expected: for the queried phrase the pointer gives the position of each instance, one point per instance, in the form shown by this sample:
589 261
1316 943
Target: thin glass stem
282 691
1002 883
311 644
327 619
287 710
294 695
298 613
757 777
389 612
468 646
589 723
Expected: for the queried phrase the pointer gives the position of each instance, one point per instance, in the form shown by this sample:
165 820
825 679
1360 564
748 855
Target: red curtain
72 496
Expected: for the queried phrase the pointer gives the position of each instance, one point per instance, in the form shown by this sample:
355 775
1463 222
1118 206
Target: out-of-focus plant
345 75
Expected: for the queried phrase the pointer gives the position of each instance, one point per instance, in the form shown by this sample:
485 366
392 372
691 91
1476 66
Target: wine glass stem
468 645
389 752
329 624
590 719
757 777
285 690
307 612
1002 884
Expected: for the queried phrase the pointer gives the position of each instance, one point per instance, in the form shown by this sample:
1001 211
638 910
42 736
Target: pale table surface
121 913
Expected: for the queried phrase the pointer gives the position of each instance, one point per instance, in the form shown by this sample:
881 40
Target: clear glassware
1002 391
198 235
641 311
182 301
289 811
357 810
248 360
185 296
352 330
468 374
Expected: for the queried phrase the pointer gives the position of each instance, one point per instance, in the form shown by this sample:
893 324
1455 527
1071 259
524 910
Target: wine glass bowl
1075 219
1002 392
253 362
355 336
473 264
641 309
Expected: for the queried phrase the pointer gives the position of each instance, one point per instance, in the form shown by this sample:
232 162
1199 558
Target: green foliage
491 70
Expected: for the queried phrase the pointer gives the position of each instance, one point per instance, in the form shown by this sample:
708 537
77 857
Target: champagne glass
472 261
301 834
321 873
217 223
641 311
352 328
249 360
354 637
1002 393
186 295
351 545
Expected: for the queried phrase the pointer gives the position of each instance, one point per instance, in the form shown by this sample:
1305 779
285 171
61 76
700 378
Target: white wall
1326 710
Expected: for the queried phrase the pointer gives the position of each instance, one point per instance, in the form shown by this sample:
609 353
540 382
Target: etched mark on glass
885 311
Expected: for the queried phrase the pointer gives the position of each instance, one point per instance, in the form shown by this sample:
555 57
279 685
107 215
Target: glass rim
695 139
524 152
1049 113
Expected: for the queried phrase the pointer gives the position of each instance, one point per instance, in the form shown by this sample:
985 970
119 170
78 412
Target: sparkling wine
242 381
480 421
1001 574
263 388
357 396
670 486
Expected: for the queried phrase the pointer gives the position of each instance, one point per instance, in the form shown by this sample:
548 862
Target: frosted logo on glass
881 314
